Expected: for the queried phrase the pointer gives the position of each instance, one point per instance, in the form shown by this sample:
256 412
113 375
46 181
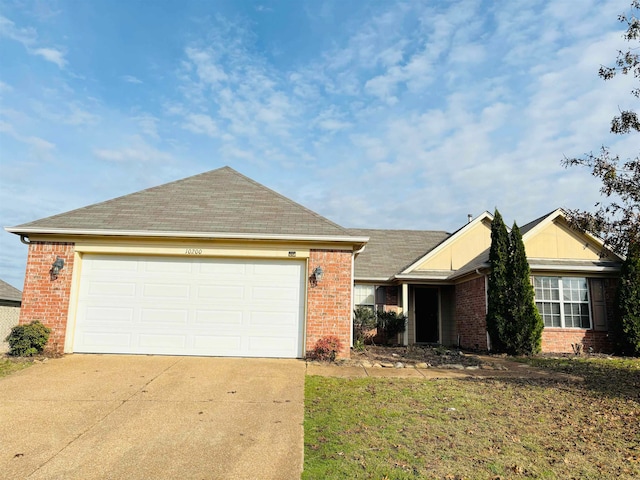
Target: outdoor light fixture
316 276
56 267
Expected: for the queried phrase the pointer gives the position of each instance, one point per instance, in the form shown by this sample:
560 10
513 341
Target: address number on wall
193 251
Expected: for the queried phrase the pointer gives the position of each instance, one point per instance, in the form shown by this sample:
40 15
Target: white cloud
51 55
40 145
137 151
28 37
131 79
200 123
148 125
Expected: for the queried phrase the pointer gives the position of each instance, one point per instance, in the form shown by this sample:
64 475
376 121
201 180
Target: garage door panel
220 318
165 342
171 266
190 306
223 267
112 289
167 291
216 293
114 265
165 316
107 339
275 293
269 344
219 343
108 314
267 319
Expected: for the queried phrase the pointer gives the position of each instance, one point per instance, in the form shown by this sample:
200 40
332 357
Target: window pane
576 302
563 301
364 295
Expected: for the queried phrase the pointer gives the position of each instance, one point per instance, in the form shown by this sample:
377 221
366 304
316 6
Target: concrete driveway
143 417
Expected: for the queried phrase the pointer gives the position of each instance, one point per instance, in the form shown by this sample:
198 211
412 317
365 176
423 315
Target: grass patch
11 365
613 376
472 428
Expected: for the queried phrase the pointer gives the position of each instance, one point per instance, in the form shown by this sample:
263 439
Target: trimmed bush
390 324
28 340
326 349
626 325
364 321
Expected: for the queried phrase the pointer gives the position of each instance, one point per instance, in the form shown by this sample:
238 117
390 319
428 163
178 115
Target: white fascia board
221 235
574 268
372 279
448 241
408 276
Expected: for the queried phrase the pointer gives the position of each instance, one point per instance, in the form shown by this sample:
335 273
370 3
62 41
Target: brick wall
470 314
329 302
45 299
559 340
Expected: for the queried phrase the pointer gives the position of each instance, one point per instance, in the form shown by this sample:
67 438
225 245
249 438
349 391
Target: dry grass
476 428
8 365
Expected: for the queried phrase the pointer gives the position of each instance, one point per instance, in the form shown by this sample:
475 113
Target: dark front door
426 308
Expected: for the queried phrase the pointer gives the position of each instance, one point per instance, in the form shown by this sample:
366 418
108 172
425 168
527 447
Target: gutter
24 232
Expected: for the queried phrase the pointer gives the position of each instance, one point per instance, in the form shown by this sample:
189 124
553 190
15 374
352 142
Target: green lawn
477 428
10 365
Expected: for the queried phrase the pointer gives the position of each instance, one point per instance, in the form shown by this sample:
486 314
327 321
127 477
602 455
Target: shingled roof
220 201
388 252
9 293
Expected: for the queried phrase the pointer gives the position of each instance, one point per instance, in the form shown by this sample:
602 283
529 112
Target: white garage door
190 306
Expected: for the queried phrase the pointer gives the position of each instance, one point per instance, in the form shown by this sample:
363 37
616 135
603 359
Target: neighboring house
217 264
444 286
10 299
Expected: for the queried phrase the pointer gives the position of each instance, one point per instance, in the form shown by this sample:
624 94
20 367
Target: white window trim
372 305
561 302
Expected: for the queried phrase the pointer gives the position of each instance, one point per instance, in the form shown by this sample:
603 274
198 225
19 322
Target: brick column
329 302
46 299
471 314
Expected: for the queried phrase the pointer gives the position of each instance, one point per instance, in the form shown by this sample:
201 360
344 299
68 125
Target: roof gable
218 201
459 249
551 237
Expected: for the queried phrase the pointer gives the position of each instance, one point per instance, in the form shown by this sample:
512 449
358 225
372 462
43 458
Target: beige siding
461 251
558 241
8 319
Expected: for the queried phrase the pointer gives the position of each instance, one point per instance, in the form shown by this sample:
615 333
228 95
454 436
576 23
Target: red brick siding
559 340
391 296
470 314
329 302
45 299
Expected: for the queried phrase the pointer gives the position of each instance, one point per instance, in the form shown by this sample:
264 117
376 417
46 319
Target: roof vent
469 217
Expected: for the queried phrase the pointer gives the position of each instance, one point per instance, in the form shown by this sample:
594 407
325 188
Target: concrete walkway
153 417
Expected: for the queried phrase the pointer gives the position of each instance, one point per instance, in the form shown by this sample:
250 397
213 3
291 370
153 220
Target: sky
375 114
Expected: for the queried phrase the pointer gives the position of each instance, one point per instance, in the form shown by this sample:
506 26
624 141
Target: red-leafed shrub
326 348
